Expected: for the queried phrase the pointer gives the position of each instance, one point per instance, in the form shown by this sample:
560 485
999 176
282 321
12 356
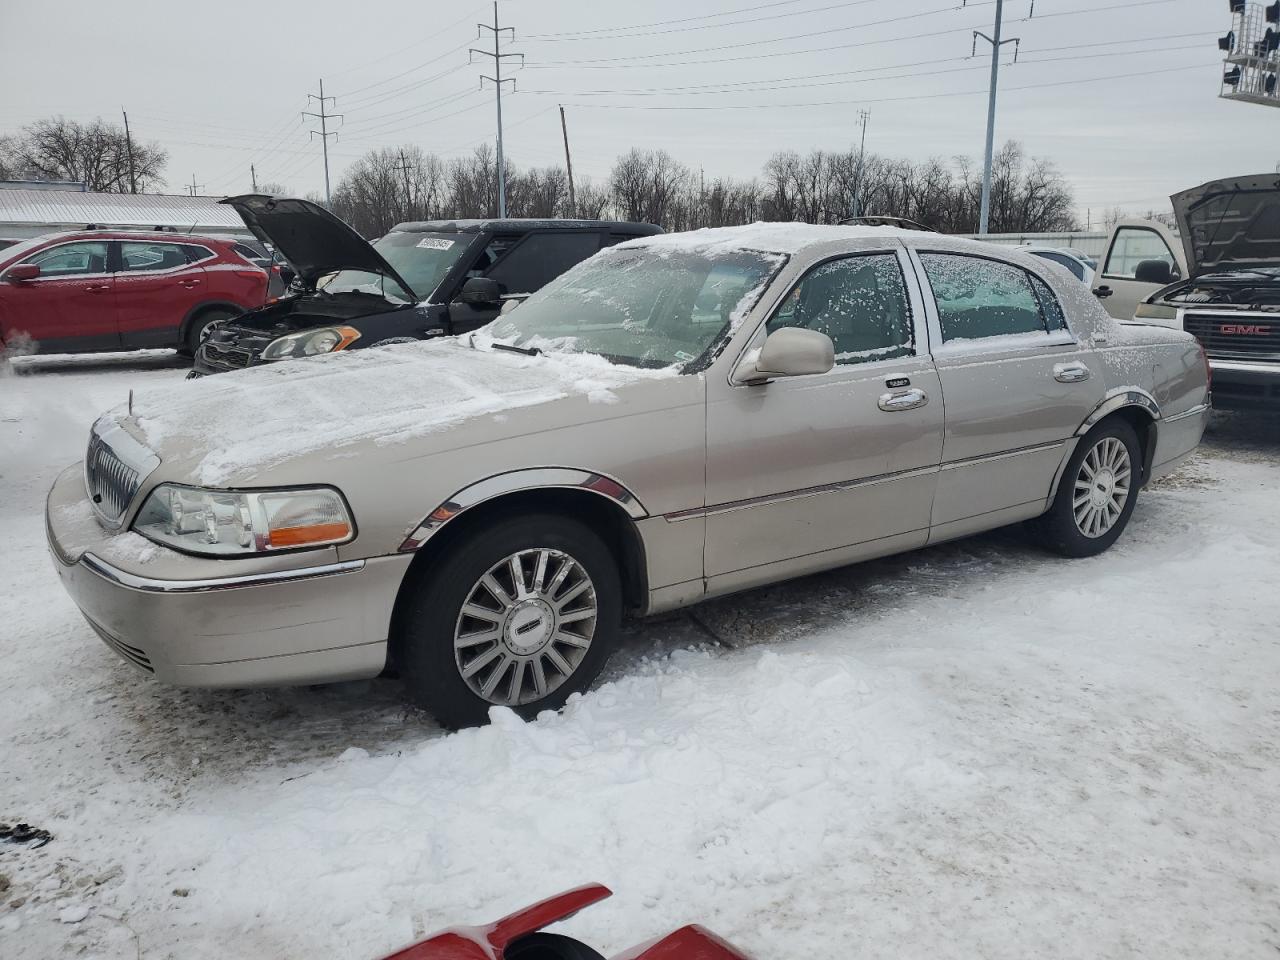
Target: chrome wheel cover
1102 487
525 627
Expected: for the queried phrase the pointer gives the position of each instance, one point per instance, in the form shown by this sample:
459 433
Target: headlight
1155 311
308 343
224 523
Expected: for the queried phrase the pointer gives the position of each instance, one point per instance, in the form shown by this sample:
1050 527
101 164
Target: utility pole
408 192
568 162
128 141
497 82
863 117
996 43
194 187
324 133
253 177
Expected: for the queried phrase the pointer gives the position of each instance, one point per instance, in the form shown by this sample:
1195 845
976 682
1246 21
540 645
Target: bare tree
646 184
273 189
96 154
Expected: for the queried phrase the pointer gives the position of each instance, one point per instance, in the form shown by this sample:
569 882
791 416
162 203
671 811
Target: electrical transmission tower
996 44
324 133
498 56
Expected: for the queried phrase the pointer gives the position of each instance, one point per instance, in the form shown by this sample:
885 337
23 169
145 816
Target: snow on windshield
237 424
646 308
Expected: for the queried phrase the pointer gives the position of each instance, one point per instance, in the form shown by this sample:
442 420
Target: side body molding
537 478
1117 399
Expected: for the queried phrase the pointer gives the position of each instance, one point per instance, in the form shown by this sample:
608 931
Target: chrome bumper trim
1244 366
152 585
1193 412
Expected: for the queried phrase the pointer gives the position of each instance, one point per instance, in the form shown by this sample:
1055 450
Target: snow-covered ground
970 751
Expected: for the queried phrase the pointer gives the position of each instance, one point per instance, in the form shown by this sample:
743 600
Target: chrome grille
1251 336
115 465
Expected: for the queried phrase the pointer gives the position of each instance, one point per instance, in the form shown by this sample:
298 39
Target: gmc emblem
1243 329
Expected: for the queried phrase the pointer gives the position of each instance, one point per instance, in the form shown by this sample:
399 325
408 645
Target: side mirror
481 292
789 352
23 271
1154 271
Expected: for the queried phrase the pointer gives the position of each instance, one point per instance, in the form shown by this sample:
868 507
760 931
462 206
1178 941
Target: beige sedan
677 418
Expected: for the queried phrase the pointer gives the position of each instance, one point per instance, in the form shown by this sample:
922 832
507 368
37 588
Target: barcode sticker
435 243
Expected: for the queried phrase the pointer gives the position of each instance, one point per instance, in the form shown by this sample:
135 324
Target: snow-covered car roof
768 237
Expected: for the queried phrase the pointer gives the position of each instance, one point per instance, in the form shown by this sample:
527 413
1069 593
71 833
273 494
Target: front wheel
195 331
521 614
1097 493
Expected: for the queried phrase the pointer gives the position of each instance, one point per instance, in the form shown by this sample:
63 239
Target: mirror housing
481 292
789 352
1154 271
23 271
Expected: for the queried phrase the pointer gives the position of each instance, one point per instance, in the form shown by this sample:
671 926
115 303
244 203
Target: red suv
99 290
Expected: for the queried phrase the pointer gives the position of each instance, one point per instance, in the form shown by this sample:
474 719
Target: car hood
1230 224
334 414
311 238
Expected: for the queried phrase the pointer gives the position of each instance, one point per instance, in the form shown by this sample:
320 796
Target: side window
981 298
71 259
196 253
1075 266
542 257
859 302
1054 318
139 257
492 251
1131 246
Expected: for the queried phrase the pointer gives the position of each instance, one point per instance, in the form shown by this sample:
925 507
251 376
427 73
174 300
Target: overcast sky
1121 94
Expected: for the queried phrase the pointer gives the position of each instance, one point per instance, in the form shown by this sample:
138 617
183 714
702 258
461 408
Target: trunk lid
1230 224
312 239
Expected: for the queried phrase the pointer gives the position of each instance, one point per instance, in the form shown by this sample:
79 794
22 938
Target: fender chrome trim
1195 411
153 585
1118 399
538 478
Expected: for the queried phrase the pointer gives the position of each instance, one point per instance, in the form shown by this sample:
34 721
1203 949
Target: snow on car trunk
970 751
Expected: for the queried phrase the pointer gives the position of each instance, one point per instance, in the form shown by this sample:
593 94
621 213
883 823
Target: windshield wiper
512 348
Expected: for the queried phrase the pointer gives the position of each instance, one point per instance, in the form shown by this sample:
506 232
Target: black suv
423 279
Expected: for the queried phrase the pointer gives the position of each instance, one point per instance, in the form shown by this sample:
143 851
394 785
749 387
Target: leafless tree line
96 154
389 185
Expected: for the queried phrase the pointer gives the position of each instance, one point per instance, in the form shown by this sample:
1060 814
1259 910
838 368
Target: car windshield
639 306
422 259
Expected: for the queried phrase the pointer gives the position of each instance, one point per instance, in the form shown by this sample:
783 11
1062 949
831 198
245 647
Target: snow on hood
769 237
1230 224
235 425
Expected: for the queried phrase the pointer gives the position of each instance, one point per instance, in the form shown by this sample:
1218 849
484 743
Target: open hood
1230 224
311 238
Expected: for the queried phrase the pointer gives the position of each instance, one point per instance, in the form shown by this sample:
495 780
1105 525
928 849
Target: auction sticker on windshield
436 243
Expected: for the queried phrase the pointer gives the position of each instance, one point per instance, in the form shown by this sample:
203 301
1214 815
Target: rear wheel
521 614
1097 493
195 329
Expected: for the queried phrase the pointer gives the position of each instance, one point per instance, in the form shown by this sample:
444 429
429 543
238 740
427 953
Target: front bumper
1245 385
262 621
226 350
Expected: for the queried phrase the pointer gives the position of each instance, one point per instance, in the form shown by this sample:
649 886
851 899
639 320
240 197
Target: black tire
191 342
549 946
1058 529
432 614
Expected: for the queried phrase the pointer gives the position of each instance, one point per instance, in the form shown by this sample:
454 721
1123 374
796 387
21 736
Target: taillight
275 268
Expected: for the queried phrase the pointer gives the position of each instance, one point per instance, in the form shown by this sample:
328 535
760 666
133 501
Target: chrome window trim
154 585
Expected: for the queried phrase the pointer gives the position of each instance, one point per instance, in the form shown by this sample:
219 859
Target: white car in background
1081 267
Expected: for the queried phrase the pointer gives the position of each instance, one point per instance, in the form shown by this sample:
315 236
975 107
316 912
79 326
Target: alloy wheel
525 627
1102 487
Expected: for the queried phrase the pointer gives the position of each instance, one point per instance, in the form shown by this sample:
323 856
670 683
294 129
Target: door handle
1070 372
1102 292
903 400
98 287
189 283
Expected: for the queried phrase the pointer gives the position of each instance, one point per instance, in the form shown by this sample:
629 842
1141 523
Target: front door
71 305
1122 281
815 471
1017 383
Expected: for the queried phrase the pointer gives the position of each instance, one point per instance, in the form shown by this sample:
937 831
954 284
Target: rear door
1130 245
1017 383
70 306
156 286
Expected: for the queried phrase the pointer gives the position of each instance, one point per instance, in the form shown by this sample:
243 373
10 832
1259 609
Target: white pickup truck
1219 280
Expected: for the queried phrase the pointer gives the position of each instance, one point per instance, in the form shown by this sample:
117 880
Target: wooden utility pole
128 142
253 177
568 162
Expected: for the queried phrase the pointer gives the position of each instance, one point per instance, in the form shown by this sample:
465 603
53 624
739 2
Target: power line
391 53
663 23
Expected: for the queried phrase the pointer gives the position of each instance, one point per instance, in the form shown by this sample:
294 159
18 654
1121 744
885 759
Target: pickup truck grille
1245 336
110 481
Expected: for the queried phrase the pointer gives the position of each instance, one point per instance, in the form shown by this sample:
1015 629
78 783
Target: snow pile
239 423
